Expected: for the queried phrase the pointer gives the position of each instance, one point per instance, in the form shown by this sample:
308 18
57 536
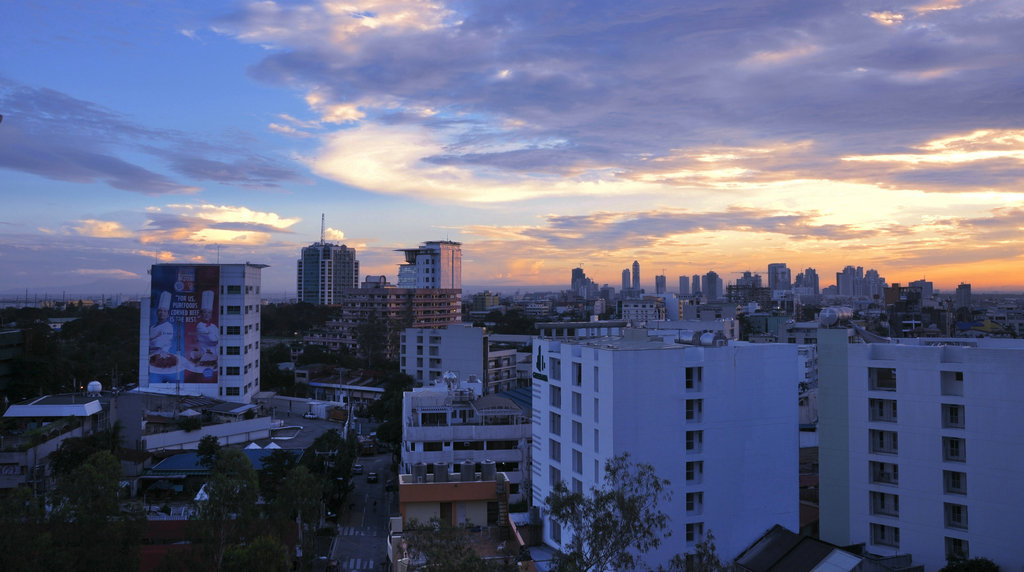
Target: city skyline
688 137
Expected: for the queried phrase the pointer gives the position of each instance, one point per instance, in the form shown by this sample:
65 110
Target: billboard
184 330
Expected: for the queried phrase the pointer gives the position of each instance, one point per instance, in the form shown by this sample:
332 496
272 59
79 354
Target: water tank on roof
440 472
94 387
467 473
713 340
833 315
488 470
419 472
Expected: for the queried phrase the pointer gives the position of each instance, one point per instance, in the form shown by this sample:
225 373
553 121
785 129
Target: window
234 289
952 416
596 385
694 441
556 531
555 396
694 503
577 403
555 450
694 531
882 410
885 535
555 424
577 433
232 350
954 482
695 410
234 310
234 330
577 462
953 449
884 503
886 442
555 369
597 410
952 382
694 471
882 378
432 446
885 473
554 476
232 390
577 374
597 441
694 379
577 486
956 548
231 370
956 515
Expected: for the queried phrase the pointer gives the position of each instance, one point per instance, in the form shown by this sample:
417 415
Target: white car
309 415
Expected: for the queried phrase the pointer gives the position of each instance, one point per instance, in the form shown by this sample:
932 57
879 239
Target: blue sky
686 135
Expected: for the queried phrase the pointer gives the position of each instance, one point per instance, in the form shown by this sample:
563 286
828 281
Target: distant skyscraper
963 295
324 270
695 284
659 285
636 276
927 288
684 286
625 281
749 280
779 276
808 279
436 265
711 286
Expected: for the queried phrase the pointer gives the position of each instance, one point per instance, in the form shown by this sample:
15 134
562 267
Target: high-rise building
707 418
625 281
324 270
636 275
695 284
436 265
684 286
749 280
200 331
927 288
711 286
963 295
808 280
660 285
779 276
920 446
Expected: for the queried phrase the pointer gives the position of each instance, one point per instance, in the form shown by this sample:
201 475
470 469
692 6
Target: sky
542 135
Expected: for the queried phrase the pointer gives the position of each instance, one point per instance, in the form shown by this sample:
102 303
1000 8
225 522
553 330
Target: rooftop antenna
322 230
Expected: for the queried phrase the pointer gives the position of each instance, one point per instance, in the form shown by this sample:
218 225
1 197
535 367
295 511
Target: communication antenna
322 229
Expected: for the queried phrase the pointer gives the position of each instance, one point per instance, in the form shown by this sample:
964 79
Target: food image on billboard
184 330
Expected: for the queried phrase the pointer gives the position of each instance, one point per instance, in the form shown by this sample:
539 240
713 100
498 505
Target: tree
615 525
444 548
275 469
230 507
209 447
704 559
955 564
265 554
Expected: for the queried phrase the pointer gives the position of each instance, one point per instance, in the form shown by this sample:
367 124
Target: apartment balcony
462 433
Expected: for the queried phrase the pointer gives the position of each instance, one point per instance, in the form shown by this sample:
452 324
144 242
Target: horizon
538 136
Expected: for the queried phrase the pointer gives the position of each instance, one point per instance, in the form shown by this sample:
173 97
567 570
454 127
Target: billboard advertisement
184 330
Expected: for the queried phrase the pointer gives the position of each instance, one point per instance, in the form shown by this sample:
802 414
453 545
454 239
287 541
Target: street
362 526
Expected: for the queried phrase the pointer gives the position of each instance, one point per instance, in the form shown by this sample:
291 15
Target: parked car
309 415
357 469
371 477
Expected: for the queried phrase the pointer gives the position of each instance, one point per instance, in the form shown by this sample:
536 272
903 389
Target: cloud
60 137
101 229
212 224
106 272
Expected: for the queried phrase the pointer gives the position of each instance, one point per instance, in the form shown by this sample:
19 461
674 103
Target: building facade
200 331
427 353
719 422
324 271
436 265
920 447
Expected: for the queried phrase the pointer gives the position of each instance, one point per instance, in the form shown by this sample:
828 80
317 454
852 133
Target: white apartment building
641 312
719 422
447 423
921 447
436 265
426 353
199 331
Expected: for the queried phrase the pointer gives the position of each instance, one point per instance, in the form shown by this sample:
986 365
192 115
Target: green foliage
389 408
704 558
229 513
190 423
275 468
265 554
615 525
74 451
291 320
445 548
510 322
330 458
209 447
970 565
